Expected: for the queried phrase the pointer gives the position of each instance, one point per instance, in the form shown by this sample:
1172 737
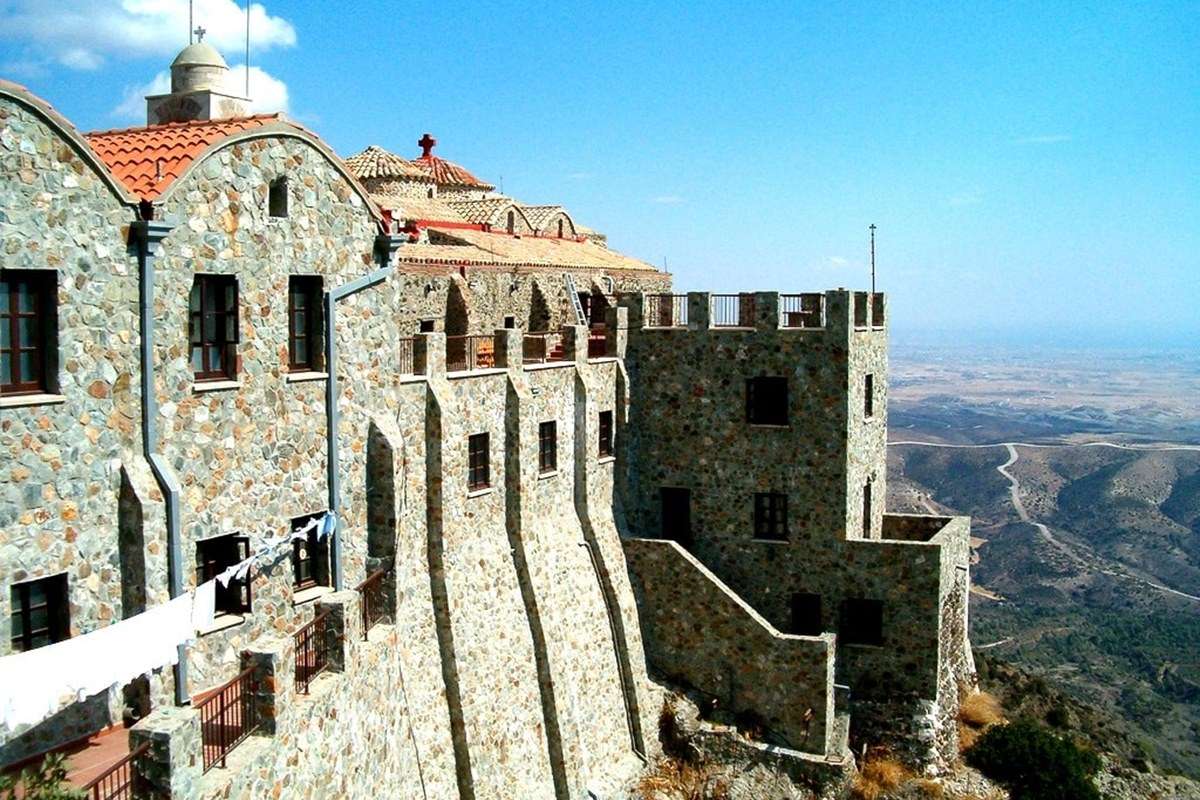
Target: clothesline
38 683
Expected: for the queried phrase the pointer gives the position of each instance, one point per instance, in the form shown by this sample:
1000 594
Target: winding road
1014 491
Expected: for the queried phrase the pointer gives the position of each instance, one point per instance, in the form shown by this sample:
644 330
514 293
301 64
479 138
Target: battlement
832 310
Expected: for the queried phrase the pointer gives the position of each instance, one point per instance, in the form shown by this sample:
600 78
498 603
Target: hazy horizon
1033 169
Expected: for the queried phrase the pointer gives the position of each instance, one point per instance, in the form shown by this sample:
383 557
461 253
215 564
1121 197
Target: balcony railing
666 311
802 310
227 717
542 347
470 352
373 599
732 311
116 782
407 358
312 651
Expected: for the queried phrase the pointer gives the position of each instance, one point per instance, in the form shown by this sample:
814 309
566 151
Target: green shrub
1034 764
46 780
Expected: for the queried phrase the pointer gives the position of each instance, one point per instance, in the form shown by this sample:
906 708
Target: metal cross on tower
872 258
426 144
199 33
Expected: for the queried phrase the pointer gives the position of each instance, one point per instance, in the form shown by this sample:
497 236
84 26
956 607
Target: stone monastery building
499 488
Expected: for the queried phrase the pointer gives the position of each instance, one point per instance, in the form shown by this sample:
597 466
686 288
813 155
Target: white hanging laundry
35 684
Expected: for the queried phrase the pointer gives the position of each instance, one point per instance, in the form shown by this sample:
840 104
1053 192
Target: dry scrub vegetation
673 779
977 713
879 776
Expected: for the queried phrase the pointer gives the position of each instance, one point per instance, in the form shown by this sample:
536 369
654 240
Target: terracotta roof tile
503 250
538 216
147 160
375 162
443 171
480 211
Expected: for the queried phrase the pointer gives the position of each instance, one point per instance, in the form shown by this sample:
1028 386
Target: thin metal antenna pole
247 49
872 258
190 21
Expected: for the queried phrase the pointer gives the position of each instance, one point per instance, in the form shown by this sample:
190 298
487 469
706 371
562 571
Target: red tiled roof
443 171
147 160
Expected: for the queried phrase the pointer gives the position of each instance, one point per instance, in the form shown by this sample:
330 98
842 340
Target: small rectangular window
869 396
214 556
28 331
310 554
427 326
478 468
214 327
606 434
41 613
547 447
866 510
277 201
770 516
767 401
806 614
305 321
510 322
861 621
676 505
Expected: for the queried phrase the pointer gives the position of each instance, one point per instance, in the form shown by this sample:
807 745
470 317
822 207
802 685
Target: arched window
430 193
277 199
560 229
512 222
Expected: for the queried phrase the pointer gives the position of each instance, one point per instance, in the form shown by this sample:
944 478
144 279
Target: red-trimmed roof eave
447 172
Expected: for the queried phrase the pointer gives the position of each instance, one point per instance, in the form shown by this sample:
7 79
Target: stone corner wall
698 633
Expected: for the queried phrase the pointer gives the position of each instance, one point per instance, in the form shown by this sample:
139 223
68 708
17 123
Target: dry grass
928 788
879 775
979 710
673 779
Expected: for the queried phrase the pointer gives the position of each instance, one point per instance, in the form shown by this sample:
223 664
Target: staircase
573 293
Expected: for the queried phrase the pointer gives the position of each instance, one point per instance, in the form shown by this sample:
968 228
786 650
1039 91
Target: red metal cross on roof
426 143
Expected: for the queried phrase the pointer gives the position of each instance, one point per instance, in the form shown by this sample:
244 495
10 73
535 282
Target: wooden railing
542 347
227 717
470 352
312 651
732 311
373 599
802 310
665 311
116 782
407 357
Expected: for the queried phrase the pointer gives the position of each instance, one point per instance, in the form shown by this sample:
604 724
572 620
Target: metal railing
465 353
877 310
665 311
732 311
407 356
227 717
116 782
312 651
542 347
373 600
802 310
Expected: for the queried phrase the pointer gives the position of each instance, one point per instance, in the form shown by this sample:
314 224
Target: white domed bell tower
199 89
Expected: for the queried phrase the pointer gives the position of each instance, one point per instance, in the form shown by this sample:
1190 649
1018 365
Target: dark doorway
806 614
677 515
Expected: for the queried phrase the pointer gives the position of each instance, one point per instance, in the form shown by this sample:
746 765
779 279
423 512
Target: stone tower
198 89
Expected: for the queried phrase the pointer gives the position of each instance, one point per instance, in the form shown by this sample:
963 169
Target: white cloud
82 34
1045 138
838 261
668 199
268 94
579 176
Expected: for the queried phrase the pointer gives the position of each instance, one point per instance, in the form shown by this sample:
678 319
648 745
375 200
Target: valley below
1081 472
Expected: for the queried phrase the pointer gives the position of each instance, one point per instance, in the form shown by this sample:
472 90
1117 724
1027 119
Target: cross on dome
427 143
199 33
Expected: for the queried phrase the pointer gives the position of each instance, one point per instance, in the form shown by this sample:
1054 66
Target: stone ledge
215 386
22 400
304 377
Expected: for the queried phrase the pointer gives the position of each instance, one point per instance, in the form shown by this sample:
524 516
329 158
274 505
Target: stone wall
700 634
691 431
64 453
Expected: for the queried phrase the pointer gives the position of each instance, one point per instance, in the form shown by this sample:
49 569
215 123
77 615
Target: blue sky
1034 169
